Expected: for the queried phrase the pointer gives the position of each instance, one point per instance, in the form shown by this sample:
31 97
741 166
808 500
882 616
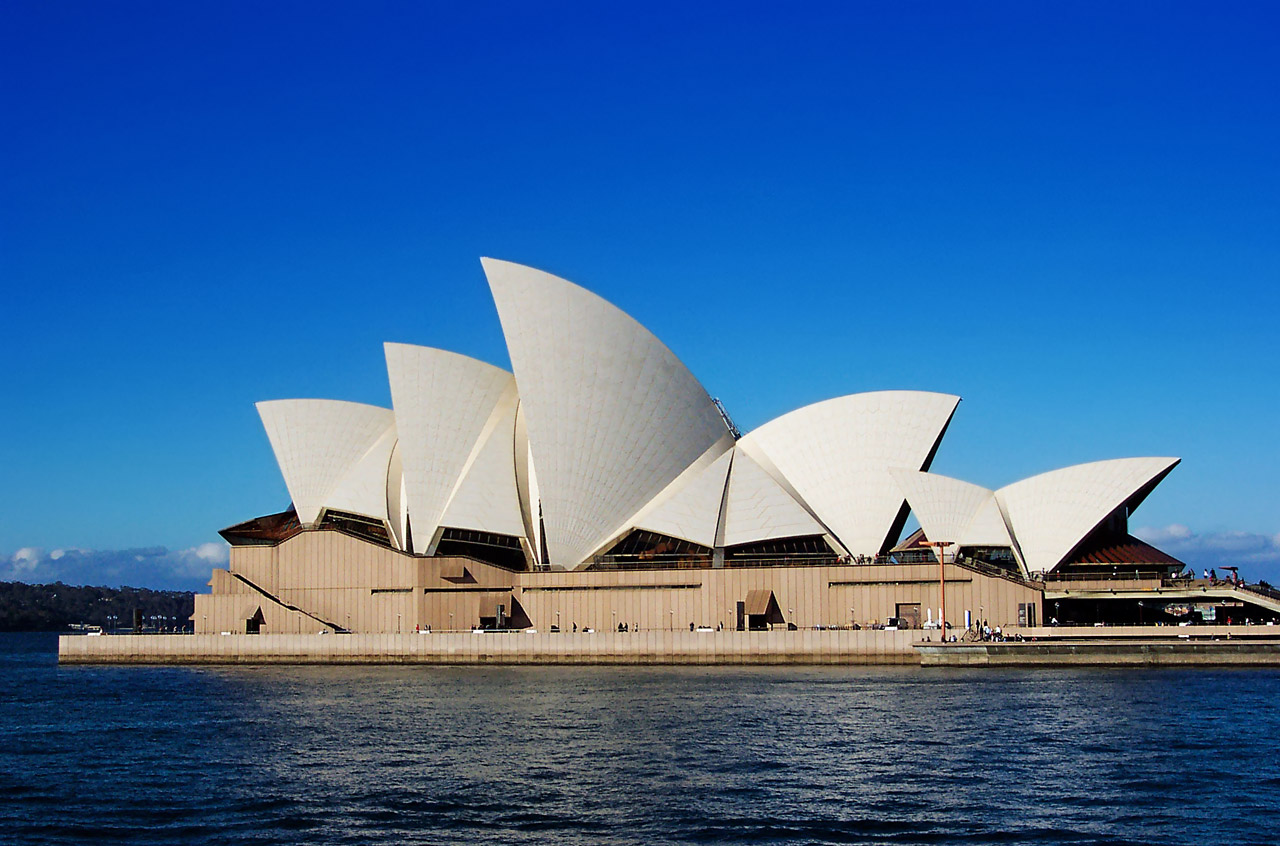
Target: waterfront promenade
1049 646
645 647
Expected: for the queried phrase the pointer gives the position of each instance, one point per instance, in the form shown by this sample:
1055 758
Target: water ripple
582 755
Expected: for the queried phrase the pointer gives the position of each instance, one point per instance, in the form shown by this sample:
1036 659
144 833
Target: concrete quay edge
1237 651
466 648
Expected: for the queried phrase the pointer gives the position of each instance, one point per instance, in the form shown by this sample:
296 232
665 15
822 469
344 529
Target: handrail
986 569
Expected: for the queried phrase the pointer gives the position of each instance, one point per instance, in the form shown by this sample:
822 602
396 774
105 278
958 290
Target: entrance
908 614
253 623
762 610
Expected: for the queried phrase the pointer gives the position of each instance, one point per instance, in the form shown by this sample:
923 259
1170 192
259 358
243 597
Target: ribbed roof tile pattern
486 498
760 509
318 442
946 507
692 512
987 527
363 490
837 455
613 416
442 403
1051 513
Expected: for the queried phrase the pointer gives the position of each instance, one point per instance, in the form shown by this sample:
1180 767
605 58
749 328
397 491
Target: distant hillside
55 607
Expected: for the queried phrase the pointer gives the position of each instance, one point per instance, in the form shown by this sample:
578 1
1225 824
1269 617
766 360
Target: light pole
450 621
615 621
397 624
941 547
557 621
671 627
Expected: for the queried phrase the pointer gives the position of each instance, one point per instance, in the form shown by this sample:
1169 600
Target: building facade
600 486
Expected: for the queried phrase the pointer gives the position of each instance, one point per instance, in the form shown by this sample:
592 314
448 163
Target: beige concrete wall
367 588
808 596
230 611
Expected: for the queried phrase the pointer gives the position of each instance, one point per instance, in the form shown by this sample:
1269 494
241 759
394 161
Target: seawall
647 647
1129 646
1203 645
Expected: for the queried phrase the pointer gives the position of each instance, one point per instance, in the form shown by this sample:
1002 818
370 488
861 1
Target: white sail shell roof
1051 513
836 456
397 514
760 509
319 443
363 490
951 510
692 511
487 498
987 527
442 402
613 416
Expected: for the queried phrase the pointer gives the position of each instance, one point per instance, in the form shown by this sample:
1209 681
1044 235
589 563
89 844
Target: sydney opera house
599 486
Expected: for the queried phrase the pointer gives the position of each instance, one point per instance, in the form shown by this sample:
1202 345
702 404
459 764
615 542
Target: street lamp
672 626
941 547
397 624
557 621
450 621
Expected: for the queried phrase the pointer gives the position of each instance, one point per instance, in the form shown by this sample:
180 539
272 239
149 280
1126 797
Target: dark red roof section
270 529
1125 550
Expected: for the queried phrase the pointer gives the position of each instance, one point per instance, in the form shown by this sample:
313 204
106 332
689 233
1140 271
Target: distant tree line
56 607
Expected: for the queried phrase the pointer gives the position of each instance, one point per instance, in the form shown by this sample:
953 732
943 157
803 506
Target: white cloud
152 567
25 560
213 553
1171 533
1257 554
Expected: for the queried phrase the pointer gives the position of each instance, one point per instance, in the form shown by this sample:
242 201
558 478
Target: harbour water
601 755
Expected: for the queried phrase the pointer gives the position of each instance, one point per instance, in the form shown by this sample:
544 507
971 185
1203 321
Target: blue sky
1068 214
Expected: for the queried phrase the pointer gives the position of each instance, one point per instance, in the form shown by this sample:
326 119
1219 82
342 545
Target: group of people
986 632
1233 577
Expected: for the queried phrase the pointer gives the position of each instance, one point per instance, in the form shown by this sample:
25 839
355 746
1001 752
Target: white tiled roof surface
692 510
363 490
442 403
319 442
951 510
761 509
397 514
945 507
613 416
624 436
1051 513
836 455
987 527
486 498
